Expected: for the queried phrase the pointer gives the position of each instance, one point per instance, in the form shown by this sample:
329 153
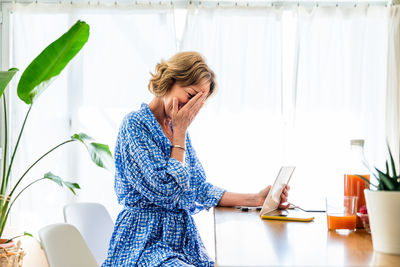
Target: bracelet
178 146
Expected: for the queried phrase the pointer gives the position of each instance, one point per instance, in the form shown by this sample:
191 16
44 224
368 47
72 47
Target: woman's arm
230 199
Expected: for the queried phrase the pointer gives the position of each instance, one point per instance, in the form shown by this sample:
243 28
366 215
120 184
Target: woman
159 179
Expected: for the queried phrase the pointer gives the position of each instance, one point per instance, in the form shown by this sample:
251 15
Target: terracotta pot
383 210
11 254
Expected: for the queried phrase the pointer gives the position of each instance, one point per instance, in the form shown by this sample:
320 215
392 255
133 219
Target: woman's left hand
260 197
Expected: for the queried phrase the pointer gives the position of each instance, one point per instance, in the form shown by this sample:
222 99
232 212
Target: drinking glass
341 212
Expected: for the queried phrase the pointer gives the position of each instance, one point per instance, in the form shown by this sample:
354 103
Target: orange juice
342 222
354 186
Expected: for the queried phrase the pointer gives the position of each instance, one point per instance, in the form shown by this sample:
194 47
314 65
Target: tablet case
288 215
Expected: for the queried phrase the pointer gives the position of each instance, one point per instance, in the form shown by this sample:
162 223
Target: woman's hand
260 197
181 119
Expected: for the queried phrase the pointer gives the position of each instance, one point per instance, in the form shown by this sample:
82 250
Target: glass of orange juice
341 212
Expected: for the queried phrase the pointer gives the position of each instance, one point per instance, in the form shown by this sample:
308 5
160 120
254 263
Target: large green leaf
99 153
51 61
61 182
5 78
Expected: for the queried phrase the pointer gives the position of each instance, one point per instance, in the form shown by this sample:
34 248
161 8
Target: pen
248 208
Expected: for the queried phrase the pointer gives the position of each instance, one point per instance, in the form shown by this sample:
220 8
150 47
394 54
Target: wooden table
244 239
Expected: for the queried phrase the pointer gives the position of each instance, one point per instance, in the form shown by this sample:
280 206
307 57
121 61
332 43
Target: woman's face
183 94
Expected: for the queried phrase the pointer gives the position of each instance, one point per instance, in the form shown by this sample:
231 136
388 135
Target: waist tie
154 208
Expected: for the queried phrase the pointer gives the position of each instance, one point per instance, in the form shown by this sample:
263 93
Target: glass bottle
354 185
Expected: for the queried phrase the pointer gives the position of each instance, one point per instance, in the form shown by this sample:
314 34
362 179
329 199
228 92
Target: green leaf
5 78
71 186
54 178
25 234
28 234
61 182
99 153
392 162
368 182
385 180
387 167
51 61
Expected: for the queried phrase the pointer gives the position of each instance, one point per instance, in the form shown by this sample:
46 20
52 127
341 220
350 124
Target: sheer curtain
340 94
239 133
106 80
273 109
295 85
393 82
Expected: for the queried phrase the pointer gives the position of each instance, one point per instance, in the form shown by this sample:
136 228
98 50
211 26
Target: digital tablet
273 198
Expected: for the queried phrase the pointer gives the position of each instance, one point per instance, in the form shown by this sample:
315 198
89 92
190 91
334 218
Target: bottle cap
357 142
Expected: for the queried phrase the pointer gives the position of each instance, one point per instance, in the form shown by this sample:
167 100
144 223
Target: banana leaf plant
34 80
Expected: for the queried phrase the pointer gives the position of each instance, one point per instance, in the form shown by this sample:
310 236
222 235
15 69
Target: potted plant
34 80
383 205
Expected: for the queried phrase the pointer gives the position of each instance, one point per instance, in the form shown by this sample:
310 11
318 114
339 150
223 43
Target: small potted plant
383 205
34 80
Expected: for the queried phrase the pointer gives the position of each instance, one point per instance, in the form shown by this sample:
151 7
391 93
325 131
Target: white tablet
273 198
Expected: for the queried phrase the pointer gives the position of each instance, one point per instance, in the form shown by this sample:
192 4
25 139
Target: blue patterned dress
159 194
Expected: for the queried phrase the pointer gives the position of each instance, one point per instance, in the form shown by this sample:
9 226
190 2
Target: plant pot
384 217
11 254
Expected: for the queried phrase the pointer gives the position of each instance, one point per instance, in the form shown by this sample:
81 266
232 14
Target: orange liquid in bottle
354 186
342 222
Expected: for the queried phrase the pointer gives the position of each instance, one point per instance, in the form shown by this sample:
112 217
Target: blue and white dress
159 194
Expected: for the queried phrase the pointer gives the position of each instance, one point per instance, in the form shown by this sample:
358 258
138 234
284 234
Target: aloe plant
388 180
34 80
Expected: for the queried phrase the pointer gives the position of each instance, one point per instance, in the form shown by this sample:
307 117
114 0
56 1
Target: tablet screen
273 198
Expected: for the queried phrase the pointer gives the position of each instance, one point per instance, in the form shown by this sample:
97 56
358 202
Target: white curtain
294 85
106 80
393 82
273 109
340 94
239 133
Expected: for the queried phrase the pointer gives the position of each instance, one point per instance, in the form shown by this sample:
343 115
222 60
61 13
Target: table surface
244 239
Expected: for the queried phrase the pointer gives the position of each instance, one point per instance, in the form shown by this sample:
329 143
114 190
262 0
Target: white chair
94 223
65 247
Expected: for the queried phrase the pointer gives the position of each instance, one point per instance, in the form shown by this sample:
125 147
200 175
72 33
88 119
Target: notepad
288 215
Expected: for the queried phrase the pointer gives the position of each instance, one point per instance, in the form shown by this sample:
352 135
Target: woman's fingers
286 190
183 117
192 102
192 108
198 105
284 196
175 106
284 205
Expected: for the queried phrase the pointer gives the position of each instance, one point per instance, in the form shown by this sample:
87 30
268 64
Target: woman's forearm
230 199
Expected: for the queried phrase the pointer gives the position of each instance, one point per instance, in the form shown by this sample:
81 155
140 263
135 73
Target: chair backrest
94 223
65 247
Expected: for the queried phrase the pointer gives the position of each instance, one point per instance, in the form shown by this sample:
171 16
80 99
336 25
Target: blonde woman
159 180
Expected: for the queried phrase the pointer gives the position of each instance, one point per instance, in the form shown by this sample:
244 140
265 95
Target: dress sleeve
207 195
160 181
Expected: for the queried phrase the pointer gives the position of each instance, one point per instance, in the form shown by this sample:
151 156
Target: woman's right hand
182 118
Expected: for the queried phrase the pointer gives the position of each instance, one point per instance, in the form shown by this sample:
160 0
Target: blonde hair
185 68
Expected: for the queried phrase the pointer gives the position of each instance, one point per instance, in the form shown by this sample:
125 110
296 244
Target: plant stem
16 145
4 219
44 155
3 213
5 151
13 238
